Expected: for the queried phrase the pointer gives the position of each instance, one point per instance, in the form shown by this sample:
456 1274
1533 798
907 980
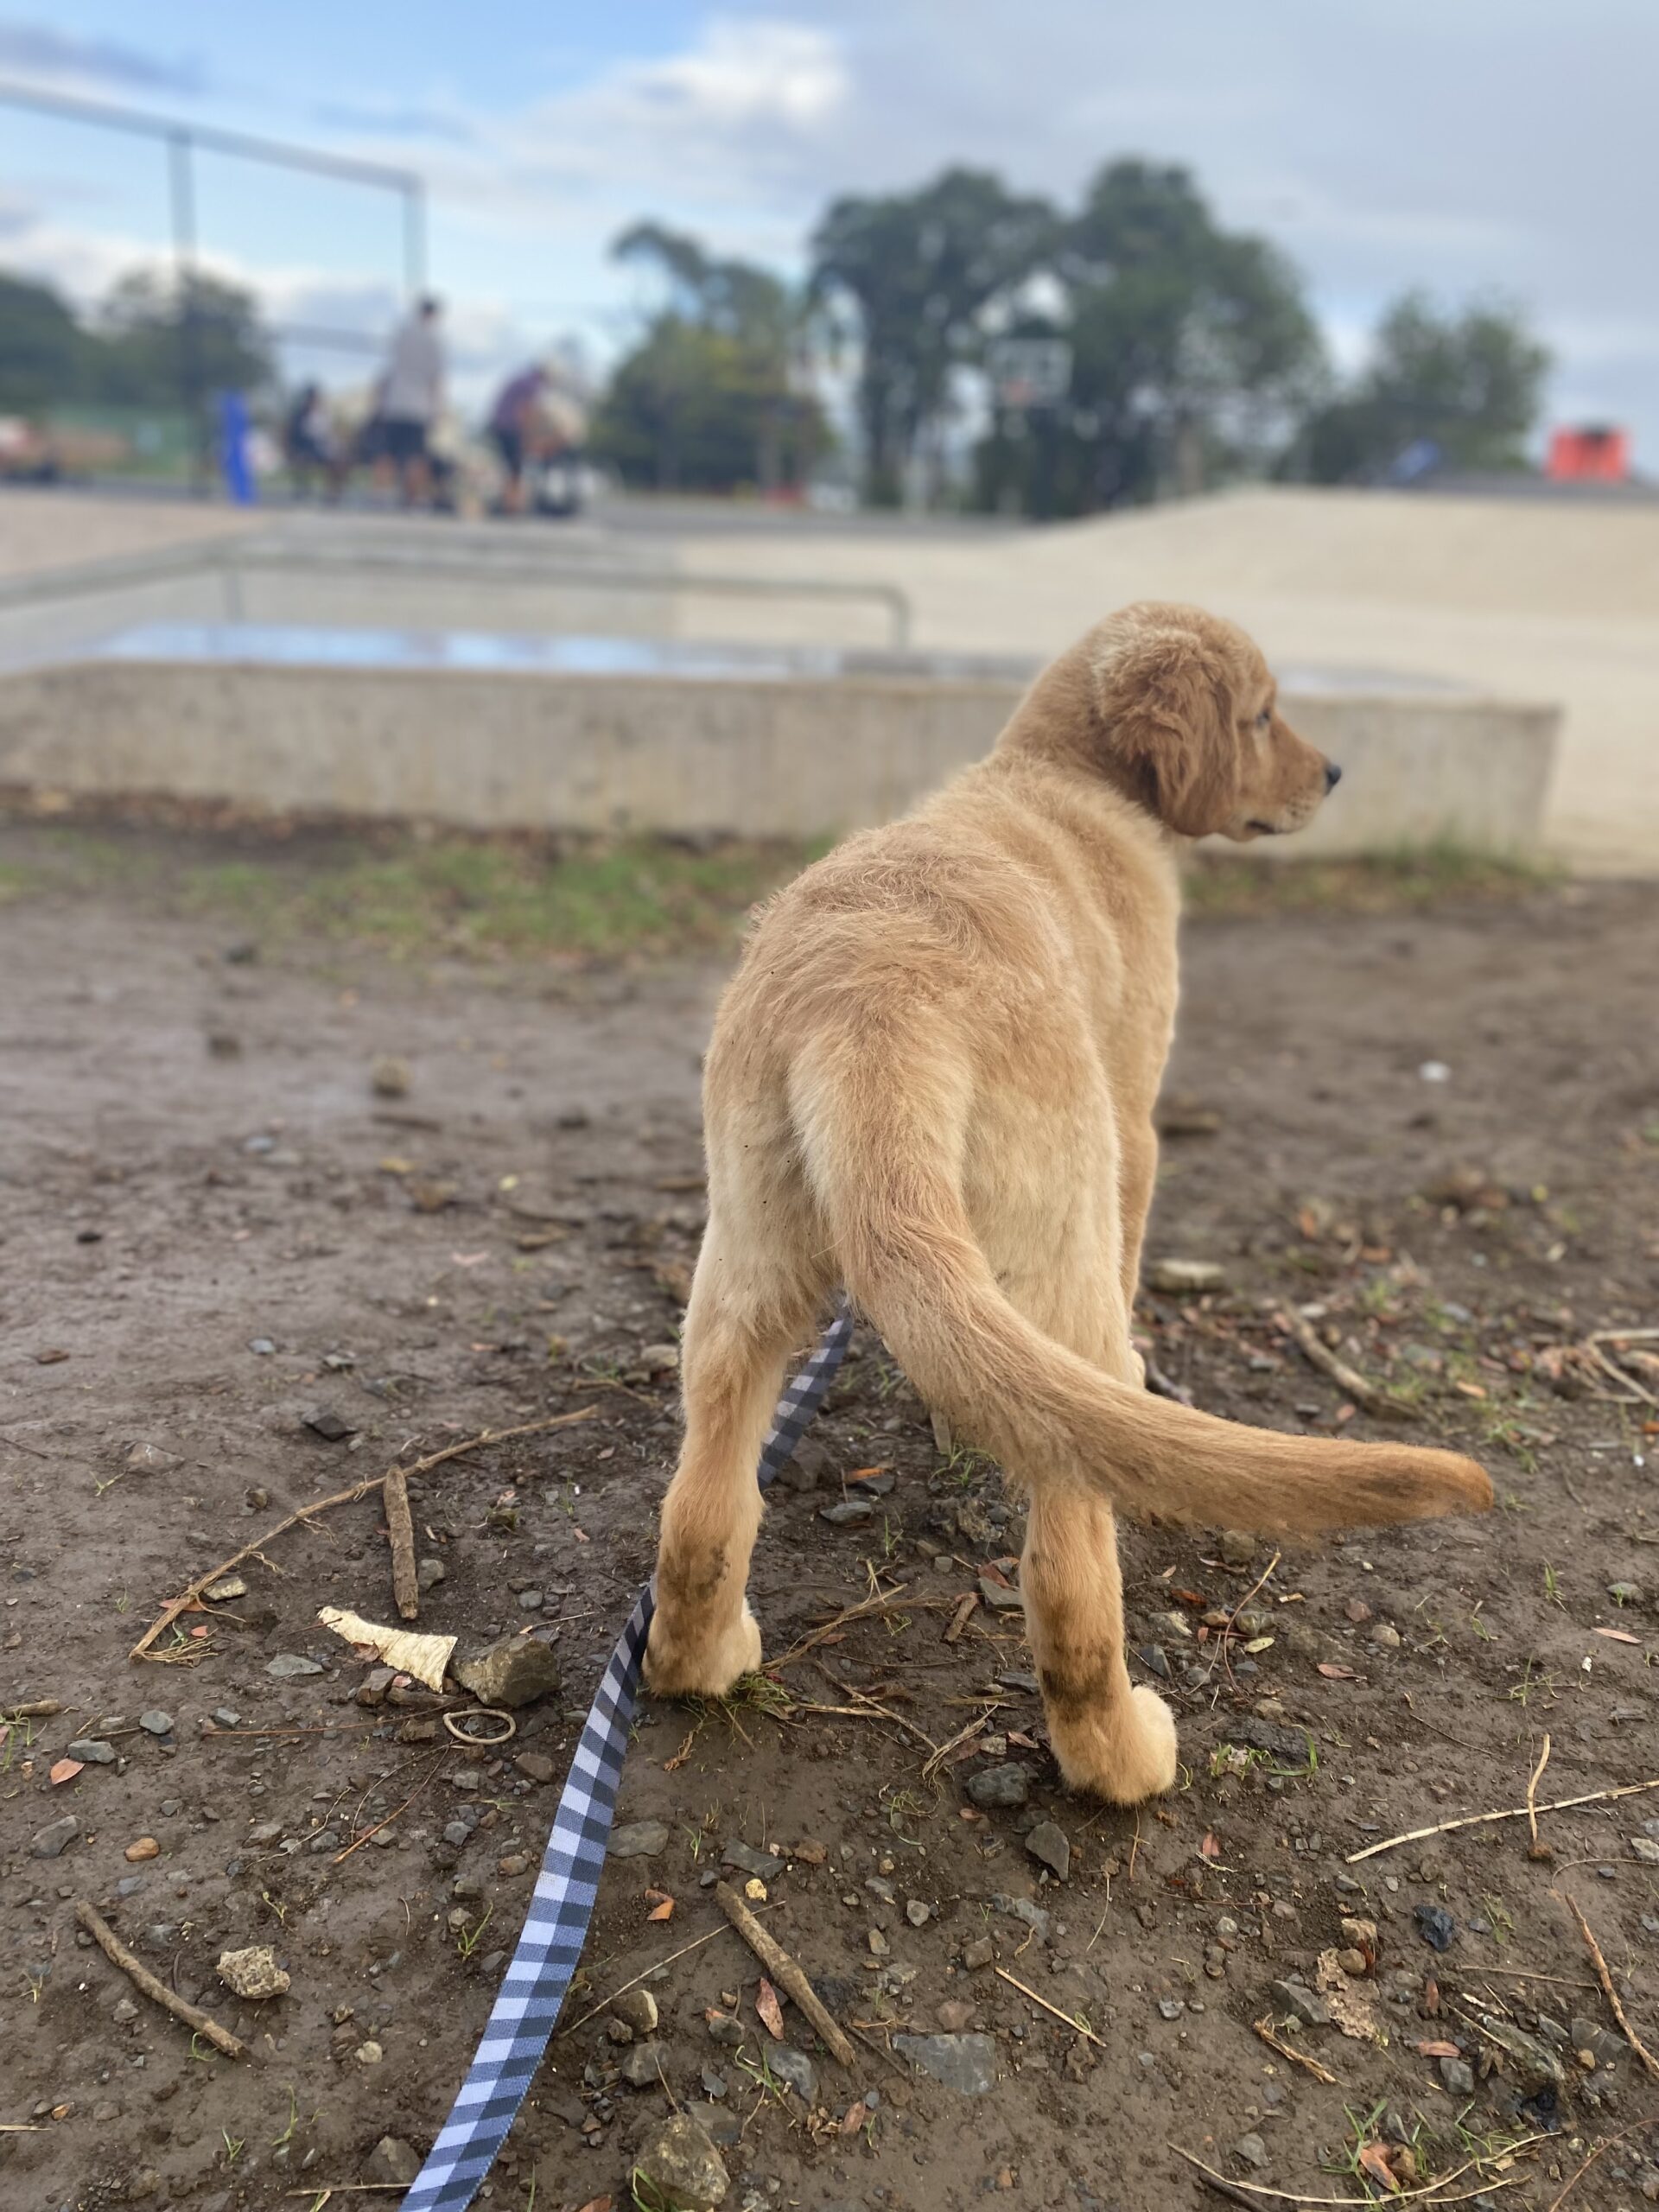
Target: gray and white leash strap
549 1943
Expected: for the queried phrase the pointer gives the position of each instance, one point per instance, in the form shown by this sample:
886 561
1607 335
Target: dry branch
1373 1396
1509 1813
1651 2065
400 1533
783 1970
116 1953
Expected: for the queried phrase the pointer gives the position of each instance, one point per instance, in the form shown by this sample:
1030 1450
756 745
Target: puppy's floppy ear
1164 693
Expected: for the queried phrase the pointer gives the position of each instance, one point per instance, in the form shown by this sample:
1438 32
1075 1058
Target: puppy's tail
883 1173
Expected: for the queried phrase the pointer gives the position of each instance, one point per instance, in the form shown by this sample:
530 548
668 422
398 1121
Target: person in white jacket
411 399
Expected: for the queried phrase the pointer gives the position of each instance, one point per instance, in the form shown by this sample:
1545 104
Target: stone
373 1689
641 2067
1251 2150
53 1840
677 2168
225 1716
966 2063
761 1864
795 2070
1021 1909
917 1913
391 2161
227 1587
635 2009
723 2128
1236 1547
725 2027
1003 1787
287 1666
847 1512
658 1359
1436 1925
124 2014
1624 1594
151 1459
956 2014
511 1672
638 1839
430 1572
981 1951
1155 1660
253 1973
1293 1998
535 1765
327 1424
369 2053
1458 2075
1386 1637
1644 1846
389 1077
1051 1847
155 1722
90 1751
1171 2008
142 1847
1533 2064
1000 1597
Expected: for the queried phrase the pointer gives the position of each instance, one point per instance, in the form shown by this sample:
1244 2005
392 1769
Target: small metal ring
452 1721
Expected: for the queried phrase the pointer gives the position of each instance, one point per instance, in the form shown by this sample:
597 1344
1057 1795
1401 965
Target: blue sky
1483 145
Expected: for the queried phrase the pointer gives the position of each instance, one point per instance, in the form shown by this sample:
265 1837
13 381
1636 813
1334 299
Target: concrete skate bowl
296 685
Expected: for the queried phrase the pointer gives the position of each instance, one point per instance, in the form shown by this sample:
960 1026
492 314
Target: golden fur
933 1081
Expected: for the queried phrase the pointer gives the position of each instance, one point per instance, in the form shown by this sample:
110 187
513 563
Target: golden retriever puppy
932 1081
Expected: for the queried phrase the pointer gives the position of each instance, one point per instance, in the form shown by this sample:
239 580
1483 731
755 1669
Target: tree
44 353
167 341
1192 350
915 273
1468 381
713 397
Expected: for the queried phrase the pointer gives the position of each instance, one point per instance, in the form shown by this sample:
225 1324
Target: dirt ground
1434 1133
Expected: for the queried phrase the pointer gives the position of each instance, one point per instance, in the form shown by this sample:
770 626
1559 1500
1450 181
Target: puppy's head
1190 722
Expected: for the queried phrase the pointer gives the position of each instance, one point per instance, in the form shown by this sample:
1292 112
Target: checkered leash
567 1889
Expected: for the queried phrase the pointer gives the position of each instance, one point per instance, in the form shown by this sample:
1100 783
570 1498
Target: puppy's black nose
1333 775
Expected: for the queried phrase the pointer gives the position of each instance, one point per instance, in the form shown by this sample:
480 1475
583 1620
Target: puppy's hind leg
734 1358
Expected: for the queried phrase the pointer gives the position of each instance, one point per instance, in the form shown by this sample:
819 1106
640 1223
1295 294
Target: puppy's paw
1123 1756
694 1660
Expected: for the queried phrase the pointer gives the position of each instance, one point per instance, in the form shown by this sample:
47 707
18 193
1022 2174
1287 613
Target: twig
1224 1641
1263 2028
783 1969
1619 1375
892 1601
1532 1793
117 1954
1372 1396
1635 2128
962 1736
1076 2026
1401 2197
358 1842
1651 2065
1511 1812
959 1619
175 1606
400 1531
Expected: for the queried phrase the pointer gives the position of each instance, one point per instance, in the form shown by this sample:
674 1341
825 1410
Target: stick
1532 1793
358 1842
117 1954
1076 2026
1263 2028
962 1736
400 1531
175 1606
1402 2196
643 1974
1372 1396
1651 2065
1511 1812
959 1618
1635 2128
783 1969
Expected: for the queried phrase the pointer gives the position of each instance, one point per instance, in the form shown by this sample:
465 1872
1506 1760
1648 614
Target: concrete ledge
763 745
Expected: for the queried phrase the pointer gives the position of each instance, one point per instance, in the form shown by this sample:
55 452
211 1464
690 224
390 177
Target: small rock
847 1512
1002 1787
227 1586
1171 2008
658 1359
637 2008
1156 1659
145 1847
725 2027
979 1952
1386 1637
1293 1998
679 2168
1643 1845
53 1840
1236 1547
511 1672
917 1913
369 2053
641 2067
1458 2076
225 1716
1049 1846
761 1864
328 1425
264 1831
638 1839
795 2070
530 1601
430 1572
124 2014
1624 1594
880 1946
1251 2150
1436 1926
373 1689
1022 1910
1186 1278
1352 1962
966 2063
155 1722
287 1665
151 1459
389 1077
723 2128
253 1973
391 2161
956 2014
1000 1597
92 1751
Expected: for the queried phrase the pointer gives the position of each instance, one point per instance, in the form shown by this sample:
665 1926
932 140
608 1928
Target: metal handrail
231 556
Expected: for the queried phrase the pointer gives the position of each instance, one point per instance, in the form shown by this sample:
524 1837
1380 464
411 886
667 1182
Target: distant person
310 449
411 399
514 427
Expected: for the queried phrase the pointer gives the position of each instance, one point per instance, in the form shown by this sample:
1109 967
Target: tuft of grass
1218 886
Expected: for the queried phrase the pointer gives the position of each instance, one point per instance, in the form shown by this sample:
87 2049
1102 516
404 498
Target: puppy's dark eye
1264 719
